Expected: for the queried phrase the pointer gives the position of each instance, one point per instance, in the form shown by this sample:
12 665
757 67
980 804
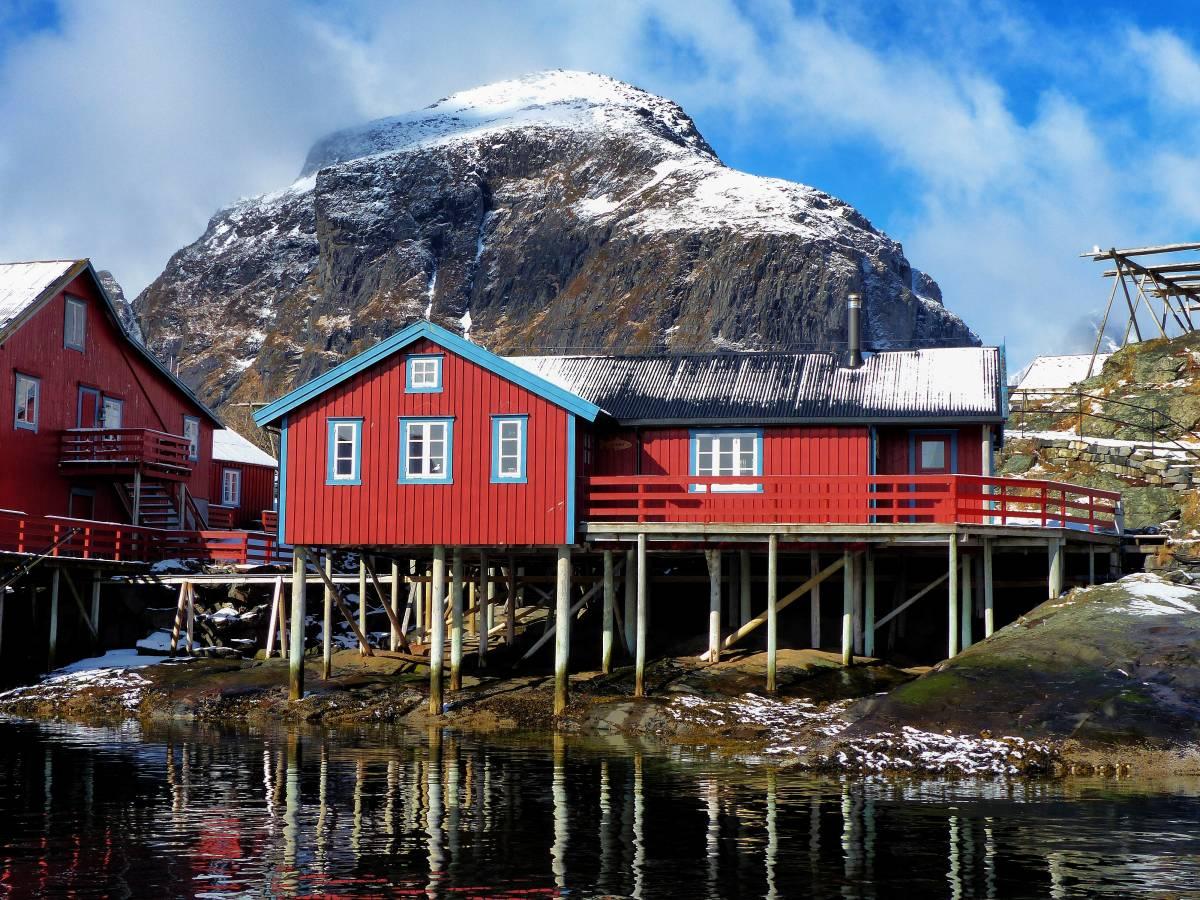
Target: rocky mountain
125 311
562 210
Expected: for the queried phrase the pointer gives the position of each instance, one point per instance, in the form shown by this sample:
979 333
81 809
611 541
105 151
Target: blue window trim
448 476
694 436
281 504
225 470
522 476
409 387
37 403
569 536
330 430
108 398
450 342
74 302
912 446
195 419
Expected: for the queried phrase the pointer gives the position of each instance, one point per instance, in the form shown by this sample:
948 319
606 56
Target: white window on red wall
27 402
191 431
75 324
231 487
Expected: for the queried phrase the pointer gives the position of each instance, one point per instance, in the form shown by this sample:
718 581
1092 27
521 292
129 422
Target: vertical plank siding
30 480
258 490
469 511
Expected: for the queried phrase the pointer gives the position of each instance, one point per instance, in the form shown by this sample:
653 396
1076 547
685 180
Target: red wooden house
243 482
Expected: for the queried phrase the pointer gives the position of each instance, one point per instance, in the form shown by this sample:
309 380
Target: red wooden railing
270 521
884 499
97 448
86 539
220 516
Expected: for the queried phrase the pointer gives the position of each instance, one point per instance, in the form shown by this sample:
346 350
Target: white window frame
516 475
20 401
234 497
424 425
705 459
423 373
108 404
191 432
344 432
75 320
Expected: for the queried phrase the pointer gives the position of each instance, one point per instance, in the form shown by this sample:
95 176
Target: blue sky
996 141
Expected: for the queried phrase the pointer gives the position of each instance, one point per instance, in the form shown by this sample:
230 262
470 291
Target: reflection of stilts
989 857
954 873
772 834
712 847
433 813
814 841
558 793
389 806
639 841
291 813
450 758
851 839
323 810
606 842
356 827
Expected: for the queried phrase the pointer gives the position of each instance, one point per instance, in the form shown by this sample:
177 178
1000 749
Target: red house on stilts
823 465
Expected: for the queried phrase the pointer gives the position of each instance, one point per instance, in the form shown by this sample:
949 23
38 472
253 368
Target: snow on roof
229 446
552 99
21 283
928 384
1058 372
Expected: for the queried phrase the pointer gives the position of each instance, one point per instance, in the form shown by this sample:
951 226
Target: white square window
508 449
345 456
722 453
75 324
424 374
426 451
27 402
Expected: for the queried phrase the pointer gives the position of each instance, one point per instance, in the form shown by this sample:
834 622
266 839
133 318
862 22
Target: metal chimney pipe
854 357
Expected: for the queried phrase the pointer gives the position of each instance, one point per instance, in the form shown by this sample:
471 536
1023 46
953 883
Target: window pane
933 454
746 462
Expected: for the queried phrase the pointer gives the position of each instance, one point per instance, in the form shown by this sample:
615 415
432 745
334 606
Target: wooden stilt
137 497
273 619
396 633
562 636
456 618
362 598
772 610
1 622
191 618
847 608
744 587
299 602
417 598
869 604
606 639
814 566
713 559
437 631
639 665
952 598
989 599
180 612
327 622
510 621
1091 564
485 593
859 636
284 632
1055 581
967 608
96 608
630 580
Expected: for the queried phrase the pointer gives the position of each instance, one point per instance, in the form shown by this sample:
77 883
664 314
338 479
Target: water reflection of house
784 468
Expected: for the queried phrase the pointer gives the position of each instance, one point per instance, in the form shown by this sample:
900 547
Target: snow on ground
1155 596
1158 449
914 750
791 723
115 670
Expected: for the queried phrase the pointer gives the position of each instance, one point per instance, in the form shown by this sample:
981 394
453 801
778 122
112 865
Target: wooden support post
417 592
191 619
772 609
363 644
276 599
639 664
96 608
814 566
713 559
1055 581
284 632
362 597
437 631
952 595
456 618
968 603
989 598
396 633
485 594
562 636
869 604
78 598
510 621
299 601
859 637
606 639
630 579
847 608
744 587
1091 564
1 621
137 496
52 656
327 622
180 612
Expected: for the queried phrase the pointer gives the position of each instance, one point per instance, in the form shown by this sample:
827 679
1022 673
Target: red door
88 415
932 454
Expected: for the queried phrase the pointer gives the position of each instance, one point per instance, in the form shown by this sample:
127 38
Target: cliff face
558 211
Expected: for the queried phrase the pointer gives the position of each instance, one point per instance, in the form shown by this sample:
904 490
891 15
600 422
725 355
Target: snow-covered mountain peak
557 99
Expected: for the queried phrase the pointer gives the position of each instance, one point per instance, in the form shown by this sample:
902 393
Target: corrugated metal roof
928 384
22 283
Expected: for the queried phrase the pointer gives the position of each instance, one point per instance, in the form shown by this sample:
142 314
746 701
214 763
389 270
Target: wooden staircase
157 506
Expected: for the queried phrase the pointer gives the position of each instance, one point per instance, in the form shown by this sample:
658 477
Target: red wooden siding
258 490
30 480
472 510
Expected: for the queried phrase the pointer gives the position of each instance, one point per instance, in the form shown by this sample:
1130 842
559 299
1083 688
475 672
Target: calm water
201 812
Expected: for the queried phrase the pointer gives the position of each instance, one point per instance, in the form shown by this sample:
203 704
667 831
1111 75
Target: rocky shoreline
1103 680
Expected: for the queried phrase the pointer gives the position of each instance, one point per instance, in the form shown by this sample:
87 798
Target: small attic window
75 324
423 374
